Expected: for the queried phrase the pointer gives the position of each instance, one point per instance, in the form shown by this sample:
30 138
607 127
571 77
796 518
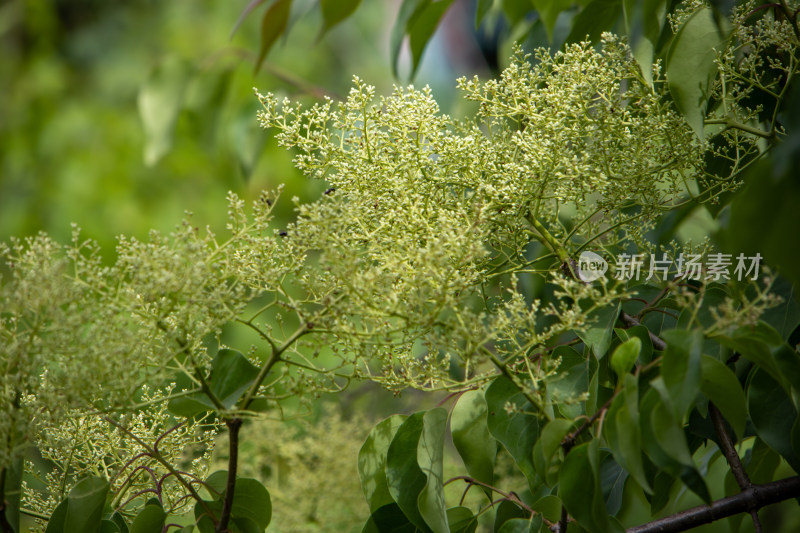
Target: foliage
464 256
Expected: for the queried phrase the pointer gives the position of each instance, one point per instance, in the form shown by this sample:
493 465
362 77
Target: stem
234 425
756 497
273 358
732 124
726 445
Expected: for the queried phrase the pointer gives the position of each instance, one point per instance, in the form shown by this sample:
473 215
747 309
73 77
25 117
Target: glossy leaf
56 522
598 16
518 430
149 520
107 526
408 10
117 518
421 28
720 385
372 462
86 502
598 337
772 414
690 65
507 511
754 343
471 436
516 525
389 519
273 24
547 446
549 507
231 374
404 477
623 434
461 520
335 11
625 356
548 11
579 487
430 458
681 368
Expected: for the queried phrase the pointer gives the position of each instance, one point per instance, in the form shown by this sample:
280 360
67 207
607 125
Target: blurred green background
120 116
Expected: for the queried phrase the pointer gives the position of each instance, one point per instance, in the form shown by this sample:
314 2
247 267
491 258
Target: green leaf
548 12
549 507
421 28
645 31
598 337
507 511
461 520
335 11
149 520
625 356
159 101
86 502
572 375
720 385
690 65
273 24
471 436
57 519
753 343
681 368
408 10
481 9
430 458
404 477
120 522
516 525
372 462
231 374
579 487
773 415
251 502
389 519
251 509
547 446
518 430
623 434
641 333
594 19
669 433
107 526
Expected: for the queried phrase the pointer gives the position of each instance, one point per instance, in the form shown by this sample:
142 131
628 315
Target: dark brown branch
756 497
234 425
735 463
629 321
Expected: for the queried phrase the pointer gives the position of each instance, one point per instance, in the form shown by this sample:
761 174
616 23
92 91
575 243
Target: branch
630 321
233 460
756 497
726 445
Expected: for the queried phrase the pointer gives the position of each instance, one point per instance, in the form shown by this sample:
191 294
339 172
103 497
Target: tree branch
735 463
755 497
234 425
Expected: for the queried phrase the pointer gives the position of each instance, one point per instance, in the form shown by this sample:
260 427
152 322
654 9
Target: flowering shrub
416 268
